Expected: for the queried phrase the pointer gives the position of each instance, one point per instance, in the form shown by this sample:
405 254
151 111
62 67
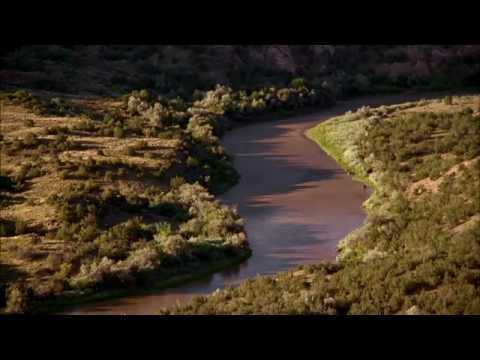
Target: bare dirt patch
432 185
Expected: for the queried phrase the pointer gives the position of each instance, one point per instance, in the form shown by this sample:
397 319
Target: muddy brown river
297 203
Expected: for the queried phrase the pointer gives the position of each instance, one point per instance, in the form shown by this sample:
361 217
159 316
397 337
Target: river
297 202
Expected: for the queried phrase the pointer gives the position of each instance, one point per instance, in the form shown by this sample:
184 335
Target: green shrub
298 83
119 132
89 231
163 230
117 241
27 171
86 125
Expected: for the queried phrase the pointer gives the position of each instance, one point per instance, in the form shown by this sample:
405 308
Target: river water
297 203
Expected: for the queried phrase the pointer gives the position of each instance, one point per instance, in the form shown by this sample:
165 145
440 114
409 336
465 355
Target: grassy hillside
418 252
102 195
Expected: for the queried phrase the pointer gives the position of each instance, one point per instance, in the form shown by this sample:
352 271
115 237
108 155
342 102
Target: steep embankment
419 250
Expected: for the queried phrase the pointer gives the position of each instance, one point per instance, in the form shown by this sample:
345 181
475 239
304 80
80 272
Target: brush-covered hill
99 196
418 252
179 70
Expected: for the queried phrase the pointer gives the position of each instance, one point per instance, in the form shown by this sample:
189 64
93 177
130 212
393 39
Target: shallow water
297 203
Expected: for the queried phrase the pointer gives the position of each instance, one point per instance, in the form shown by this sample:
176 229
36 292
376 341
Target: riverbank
156 282
339 137
281 171
419 247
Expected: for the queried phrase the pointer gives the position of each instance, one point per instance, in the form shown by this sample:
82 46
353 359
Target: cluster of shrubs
27 171
43 106
32 144
146 114
205 120
195 229
223 100
158 112
214 112
415 238
184 227
220 103
412 146
110 169
29 141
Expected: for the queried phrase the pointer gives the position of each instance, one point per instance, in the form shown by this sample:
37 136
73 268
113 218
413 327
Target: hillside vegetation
345 70
100 195
106 188
418 252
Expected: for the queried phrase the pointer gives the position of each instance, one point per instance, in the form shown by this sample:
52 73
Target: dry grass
437 106
31 205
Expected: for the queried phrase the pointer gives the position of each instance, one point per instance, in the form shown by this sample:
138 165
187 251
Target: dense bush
195 229
116 242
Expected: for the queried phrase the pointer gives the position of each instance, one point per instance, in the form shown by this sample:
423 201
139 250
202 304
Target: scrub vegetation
418 252
111 160
119 193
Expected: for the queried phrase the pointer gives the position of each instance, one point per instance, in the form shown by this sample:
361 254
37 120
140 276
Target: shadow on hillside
9 273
